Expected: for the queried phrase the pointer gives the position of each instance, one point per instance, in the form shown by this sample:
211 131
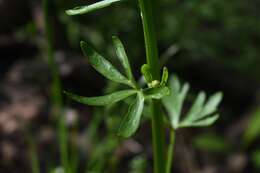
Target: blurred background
212 44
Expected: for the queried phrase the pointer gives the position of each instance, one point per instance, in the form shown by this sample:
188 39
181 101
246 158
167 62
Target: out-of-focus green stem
146 7
56 92
170 152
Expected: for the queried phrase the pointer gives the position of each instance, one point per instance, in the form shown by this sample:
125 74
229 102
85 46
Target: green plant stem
170 152
146 8
56 92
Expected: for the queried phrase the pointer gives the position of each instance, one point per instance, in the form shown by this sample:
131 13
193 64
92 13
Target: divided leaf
102 100
200 114
131 121
120 51
196 108
212 104
89 8
102 65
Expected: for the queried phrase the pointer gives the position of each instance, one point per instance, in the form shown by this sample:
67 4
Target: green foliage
138 164
211 143
252 131
256 159
156 90
200 114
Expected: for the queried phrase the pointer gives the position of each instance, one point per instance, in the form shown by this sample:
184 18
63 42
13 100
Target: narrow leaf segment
102 65
89 8
102 100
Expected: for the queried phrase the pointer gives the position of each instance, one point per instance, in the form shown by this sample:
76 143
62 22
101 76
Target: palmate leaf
102 100
200 114
121 54
199 111
131 121
102 65
89 8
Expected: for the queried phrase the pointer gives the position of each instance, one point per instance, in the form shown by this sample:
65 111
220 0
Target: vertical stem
56 94
146 7
150 37
170 152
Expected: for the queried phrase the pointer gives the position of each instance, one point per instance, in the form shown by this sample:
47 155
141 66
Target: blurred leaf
212 104
173 103
89 8
253 129
256 159
211 143
196 107
102 65
138 164
156 93
102 100
198 112
131 121
204 122
199 115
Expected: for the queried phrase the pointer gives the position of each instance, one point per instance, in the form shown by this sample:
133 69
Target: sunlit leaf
102 65
131 121
156 93
102 100
120 51
89 8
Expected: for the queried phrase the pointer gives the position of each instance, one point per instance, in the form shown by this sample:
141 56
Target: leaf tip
69 12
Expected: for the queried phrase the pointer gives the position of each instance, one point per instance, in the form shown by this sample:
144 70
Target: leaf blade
122 56
211 105
103 66
196 108
201 123
101 100
131 121
89 8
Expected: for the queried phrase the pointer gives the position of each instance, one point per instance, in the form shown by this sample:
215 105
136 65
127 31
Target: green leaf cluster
131 121
202 112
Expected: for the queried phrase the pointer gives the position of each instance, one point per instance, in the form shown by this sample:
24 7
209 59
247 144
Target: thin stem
56 94
170 152
146 8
